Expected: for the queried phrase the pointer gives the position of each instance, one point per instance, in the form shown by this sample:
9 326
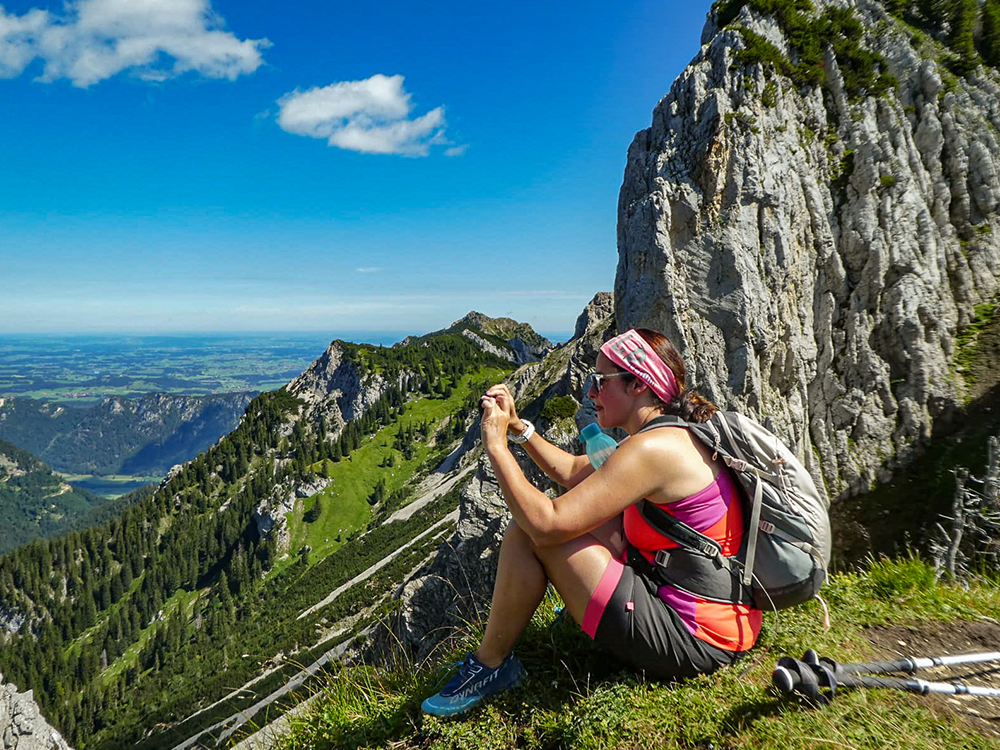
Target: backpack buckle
766 526
711 550
661 558
737 464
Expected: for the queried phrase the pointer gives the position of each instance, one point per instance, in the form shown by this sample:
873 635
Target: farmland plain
81 370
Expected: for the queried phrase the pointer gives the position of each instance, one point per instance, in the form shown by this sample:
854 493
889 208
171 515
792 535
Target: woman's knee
561 552
515 536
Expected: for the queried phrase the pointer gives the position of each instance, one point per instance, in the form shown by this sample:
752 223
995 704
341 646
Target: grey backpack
786 546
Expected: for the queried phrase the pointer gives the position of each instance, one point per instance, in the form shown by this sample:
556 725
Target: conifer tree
990 44
960 39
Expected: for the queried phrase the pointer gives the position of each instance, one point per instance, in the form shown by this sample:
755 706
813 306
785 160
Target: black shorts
650 636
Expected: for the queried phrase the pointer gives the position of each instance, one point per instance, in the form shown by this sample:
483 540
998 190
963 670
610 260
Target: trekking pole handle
794 676
787 682
882 667
784 680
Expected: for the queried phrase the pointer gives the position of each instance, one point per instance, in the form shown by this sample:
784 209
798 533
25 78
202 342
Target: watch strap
525 435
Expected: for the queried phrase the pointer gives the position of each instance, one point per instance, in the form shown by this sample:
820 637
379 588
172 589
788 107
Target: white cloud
152 39
457 150
370 116
370 269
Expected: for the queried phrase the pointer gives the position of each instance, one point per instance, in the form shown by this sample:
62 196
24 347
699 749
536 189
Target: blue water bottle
598 444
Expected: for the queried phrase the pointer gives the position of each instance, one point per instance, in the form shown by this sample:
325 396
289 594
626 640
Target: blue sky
185 165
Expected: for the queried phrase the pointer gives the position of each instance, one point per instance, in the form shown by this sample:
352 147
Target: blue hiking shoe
473 682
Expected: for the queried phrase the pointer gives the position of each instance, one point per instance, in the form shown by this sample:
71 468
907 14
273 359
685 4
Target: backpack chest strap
705 577
698 566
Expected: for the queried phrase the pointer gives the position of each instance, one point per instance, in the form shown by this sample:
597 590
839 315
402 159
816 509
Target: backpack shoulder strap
664 420
663 522
707 432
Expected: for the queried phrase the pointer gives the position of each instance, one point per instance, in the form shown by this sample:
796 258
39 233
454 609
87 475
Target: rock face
457 585
334 389
814 256
491 348
21 724
270 515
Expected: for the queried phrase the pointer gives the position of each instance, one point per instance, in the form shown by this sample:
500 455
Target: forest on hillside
143 619
34 502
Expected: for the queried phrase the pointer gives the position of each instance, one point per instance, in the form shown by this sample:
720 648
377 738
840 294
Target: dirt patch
927 639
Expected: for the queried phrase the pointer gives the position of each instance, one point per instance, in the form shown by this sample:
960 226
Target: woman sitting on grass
610 588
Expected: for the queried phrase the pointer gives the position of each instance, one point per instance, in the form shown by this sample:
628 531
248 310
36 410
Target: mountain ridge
510 339
193 571
119 435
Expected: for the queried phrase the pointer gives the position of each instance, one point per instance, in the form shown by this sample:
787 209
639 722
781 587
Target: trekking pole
908 664
798 676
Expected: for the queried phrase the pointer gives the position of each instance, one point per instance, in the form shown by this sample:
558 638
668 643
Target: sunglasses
598 378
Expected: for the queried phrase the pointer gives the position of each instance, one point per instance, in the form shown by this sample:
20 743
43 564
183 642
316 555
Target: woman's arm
629 474
563 468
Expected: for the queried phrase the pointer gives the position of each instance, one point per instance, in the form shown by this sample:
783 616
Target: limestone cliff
22 726
336 389
815 250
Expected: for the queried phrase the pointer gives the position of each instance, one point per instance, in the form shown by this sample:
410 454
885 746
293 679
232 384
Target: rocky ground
929 639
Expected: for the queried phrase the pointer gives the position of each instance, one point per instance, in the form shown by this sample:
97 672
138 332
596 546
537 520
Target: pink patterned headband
631 352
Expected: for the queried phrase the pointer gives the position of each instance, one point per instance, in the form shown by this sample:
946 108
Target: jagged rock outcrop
594 326
335 389
456 586
813 255
10 622
491 348
598 313
22 726
270 515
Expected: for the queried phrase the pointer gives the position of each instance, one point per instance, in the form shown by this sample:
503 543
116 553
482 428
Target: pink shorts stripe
602 594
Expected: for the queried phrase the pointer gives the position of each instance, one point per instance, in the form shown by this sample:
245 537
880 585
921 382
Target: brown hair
688 404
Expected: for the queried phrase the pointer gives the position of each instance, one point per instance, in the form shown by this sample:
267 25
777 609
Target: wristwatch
529 430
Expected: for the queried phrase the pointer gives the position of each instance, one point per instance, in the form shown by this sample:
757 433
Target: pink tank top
716 512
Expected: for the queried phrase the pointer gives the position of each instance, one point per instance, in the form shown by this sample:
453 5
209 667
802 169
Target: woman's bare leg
575 568
517 592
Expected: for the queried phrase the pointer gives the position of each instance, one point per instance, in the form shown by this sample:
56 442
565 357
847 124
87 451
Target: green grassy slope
345 503
574 698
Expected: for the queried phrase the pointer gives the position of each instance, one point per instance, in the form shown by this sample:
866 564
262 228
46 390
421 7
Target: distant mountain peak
506 328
